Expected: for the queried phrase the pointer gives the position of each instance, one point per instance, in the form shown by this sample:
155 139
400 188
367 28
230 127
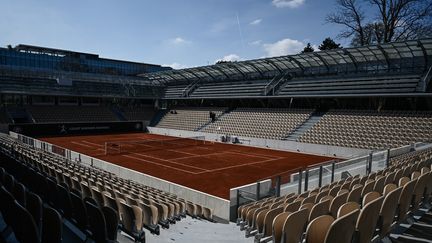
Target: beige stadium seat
368 187
289 227
319 209
292 207
336 203
208 213
388 211
325 229
265 231
347 208
405 199
370 197
388 188
355 194
379 184
367 221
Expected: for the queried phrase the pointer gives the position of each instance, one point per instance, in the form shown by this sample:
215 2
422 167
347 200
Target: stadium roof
62 52
266 68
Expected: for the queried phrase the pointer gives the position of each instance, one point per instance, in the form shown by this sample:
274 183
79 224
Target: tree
328 44
349 14
392 20
308 48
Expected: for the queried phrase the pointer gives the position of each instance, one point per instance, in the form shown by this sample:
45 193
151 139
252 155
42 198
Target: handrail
297 169
187 90
427 78
266 91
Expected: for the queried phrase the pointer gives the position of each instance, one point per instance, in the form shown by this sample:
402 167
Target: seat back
79 211
292 207
388 188
368 187
208 213
19 192
108 201
150 214
419 190
317 229
23 225
388 210
337 202
405 199
403 181
370 197
379 184
319 209
367 220
9 182
342 229
34 206
268 220
6 203
347 208
277 226
131 219
97 223
112 222
320 195
294 226
64 200
355 193
52 230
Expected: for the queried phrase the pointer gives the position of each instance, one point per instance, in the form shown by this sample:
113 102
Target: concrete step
309 123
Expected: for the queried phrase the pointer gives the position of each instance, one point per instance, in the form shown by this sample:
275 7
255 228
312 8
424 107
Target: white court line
255 154
172 162
94 144
174 150
81 144
201 155
151 162
85 145
235 166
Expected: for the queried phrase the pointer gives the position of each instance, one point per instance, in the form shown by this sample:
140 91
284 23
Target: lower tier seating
393 203
190 119
87 196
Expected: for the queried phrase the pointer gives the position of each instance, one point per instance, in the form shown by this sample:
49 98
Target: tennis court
209 167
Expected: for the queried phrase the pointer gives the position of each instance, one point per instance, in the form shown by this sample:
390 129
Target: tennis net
118 147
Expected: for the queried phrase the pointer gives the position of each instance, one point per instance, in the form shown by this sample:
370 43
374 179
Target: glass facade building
35 57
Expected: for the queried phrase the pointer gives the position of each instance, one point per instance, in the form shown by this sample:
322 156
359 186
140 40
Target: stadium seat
367 221
34 207
52 226
23 225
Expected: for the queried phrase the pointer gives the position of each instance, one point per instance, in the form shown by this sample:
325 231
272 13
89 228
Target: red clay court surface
213 168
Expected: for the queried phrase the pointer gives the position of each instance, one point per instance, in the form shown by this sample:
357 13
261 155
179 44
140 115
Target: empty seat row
355 209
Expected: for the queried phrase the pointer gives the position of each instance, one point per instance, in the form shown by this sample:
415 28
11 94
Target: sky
176 33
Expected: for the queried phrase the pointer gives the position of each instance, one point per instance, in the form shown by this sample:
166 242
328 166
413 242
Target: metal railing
302 179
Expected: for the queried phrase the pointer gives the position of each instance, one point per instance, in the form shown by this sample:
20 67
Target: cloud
175 65
288 3
256 22
179 41
230 58
255 43
283 47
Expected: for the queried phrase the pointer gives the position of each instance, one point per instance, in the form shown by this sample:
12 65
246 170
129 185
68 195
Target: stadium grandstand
328 146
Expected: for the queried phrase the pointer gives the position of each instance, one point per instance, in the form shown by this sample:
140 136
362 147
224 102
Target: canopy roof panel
266 68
